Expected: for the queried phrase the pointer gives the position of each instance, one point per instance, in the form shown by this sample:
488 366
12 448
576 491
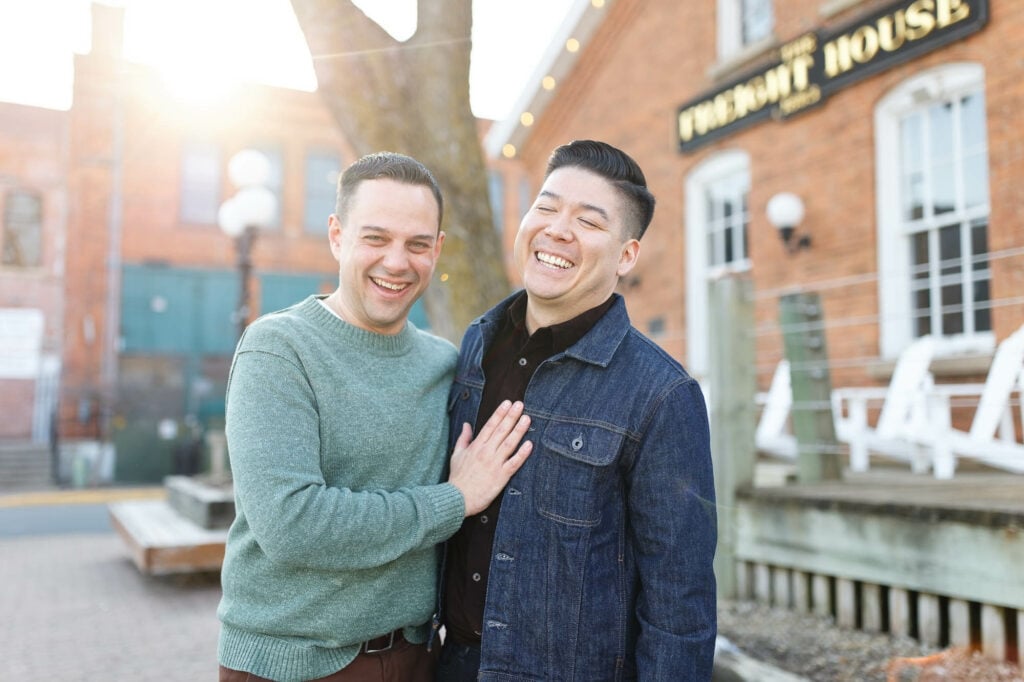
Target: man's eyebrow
427 236
589 207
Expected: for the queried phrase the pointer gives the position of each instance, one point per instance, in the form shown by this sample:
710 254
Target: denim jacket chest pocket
573 471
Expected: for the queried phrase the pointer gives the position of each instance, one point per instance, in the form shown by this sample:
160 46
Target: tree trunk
413 98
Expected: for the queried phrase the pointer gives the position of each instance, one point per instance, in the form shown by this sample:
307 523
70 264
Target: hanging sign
817 64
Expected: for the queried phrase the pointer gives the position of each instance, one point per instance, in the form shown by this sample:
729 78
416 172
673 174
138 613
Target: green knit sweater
337 439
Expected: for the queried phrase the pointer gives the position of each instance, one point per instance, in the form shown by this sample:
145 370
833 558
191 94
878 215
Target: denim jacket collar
597 346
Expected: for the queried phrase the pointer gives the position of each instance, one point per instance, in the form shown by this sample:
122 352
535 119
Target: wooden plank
801 592
959 623
993 632
970 561
928 620
846 603
871 607
899 612
763 584
162 542
781 593
821 595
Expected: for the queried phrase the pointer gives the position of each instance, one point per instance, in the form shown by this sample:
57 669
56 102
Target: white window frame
895 311
698 272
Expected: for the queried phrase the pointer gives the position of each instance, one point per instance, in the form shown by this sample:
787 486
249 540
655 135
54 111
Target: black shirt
508 366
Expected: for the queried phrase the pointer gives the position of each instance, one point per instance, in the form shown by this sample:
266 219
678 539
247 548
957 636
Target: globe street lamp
252 207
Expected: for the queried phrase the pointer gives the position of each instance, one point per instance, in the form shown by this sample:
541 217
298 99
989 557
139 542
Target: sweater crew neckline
384 344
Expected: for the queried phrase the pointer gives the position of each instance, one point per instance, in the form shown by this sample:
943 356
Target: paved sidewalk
76 609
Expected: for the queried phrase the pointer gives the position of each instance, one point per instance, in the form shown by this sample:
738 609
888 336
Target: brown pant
404 662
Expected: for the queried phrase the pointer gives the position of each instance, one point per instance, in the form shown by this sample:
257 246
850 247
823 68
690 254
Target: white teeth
388 285
553 260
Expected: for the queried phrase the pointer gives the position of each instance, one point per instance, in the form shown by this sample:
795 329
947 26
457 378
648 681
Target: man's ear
628 257
334 234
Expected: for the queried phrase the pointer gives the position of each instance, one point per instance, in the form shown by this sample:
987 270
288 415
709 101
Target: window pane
496 193
982 311
729 253
949 250
757 20
979 245
912 176
952 309
23 229
922 312
745 229
972 122
321 181
943 188
200 183
975 180
979 267
919 255
910 143
940 131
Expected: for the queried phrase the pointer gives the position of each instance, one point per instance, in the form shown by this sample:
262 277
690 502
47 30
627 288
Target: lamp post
252 207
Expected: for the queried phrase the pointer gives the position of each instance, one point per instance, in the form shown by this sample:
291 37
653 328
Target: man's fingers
465 437
501 422
513 463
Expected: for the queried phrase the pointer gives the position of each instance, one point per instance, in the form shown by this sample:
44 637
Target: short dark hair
618 168
390 166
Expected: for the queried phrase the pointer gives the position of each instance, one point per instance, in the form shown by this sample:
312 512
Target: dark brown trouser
404 662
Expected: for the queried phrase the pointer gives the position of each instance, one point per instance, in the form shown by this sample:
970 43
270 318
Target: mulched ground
814 647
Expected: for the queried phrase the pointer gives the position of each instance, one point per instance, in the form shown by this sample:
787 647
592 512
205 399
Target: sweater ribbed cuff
449 508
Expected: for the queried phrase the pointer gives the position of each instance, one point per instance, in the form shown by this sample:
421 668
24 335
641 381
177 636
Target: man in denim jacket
596 562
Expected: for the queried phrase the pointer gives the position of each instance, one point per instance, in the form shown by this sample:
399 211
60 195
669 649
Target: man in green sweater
337 432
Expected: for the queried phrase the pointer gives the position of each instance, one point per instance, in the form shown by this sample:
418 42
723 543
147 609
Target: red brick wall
649 57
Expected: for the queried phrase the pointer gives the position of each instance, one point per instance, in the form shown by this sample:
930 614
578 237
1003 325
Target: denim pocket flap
594 445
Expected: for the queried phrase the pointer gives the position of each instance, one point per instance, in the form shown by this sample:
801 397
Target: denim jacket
602 559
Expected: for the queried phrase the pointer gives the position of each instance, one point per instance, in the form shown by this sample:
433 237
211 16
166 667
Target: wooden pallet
162 541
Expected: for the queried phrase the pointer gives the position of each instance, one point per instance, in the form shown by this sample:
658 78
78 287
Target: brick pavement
75 609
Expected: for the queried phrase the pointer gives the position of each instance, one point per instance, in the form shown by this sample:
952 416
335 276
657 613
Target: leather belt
382 643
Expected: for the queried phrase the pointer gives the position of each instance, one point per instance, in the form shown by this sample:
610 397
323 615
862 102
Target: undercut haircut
618 168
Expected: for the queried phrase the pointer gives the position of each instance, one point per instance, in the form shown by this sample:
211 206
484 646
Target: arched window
23 229
931 152
717 221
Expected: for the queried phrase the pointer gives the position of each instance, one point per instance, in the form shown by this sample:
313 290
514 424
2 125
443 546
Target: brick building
130 289
896 123
147 175
33 205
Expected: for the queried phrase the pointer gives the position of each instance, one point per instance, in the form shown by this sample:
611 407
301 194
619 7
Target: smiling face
571 247
386 246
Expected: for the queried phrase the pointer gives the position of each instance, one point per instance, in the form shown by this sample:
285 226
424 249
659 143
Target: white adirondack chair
772 436
992 438
902 416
